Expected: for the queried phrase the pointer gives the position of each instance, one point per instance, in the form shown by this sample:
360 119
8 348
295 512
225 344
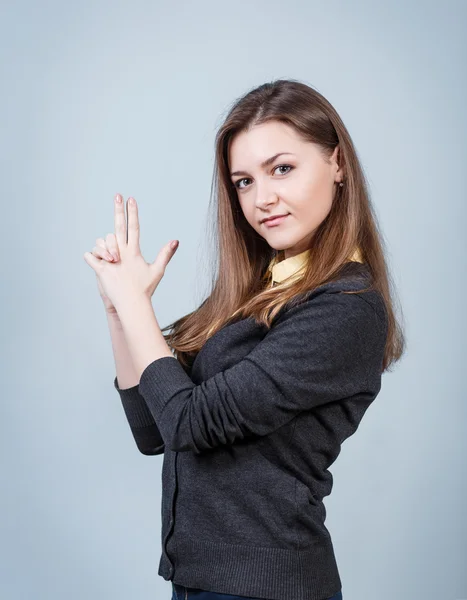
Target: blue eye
236 184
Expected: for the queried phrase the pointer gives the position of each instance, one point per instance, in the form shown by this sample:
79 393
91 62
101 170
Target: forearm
146 342
145 431
126 372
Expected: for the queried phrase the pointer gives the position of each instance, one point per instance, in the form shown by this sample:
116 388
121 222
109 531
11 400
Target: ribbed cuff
135 407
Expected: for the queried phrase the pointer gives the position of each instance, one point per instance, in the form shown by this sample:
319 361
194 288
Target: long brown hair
241 287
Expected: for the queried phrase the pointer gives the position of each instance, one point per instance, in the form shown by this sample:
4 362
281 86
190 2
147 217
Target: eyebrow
263 165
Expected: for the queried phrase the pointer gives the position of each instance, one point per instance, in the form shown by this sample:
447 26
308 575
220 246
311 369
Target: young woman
250 397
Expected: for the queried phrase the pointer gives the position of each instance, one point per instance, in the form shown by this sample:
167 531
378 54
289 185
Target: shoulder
350 297
337 327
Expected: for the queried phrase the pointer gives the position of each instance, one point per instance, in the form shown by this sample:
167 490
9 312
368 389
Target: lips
274 217
275 220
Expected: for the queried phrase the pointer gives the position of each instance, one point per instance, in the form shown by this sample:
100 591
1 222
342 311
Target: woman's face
299 184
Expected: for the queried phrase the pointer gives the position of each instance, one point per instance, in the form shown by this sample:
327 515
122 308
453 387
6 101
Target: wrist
132 304
112 316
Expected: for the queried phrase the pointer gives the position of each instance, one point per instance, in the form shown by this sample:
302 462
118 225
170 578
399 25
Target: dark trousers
180 592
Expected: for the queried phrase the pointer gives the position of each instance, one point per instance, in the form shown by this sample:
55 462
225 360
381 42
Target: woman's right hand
106 250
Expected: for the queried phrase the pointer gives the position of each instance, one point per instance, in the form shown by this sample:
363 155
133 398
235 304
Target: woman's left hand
131 276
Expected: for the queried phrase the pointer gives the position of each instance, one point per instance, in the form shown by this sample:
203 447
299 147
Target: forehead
261 141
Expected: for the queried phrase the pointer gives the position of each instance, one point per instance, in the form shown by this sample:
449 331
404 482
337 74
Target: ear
335 156
335 162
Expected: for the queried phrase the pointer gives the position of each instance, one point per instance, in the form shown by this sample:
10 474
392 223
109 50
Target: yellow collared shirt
293 265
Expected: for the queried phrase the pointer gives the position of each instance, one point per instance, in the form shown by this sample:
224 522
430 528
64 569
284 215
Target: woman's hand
131 276
106 250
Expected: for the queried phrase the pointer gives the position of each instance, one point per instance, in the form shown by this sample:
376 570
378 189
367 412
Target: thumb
164 256
92 261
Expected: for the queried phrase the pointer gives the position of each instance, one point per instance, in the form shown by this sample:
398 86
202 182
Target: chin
282 244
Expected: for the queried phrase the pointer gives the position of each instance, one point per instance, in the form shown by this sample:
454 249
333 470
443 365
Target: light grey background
104 97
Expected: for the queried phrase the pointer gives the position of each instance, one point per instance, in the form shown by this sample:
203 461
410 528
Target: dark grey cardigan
248 436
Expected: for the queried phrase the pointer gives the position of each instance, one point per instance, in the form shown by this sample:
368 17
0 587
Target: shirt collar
282 269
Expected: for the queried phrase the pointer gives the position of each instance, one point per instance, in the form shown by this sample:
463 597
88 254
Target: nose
265 198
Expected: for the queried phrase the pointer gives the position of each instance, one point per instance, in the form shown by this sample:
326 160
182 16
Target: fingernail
132 201
114 256
118 198
109 256
174 244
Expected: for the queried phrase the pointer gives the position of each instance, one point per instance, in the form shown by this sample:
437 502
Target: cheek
249 213
311 201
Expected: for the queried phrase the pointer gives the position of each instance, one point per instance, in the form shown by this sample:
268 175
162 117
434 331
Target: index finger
133 224
120 221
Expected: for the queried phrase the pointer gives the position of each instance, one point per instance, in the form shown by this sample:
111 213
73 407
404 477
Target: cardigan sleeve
142 424
326 349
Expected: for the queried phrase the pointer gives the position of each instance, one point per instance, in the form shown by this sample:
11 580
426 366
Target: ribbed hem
261 572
